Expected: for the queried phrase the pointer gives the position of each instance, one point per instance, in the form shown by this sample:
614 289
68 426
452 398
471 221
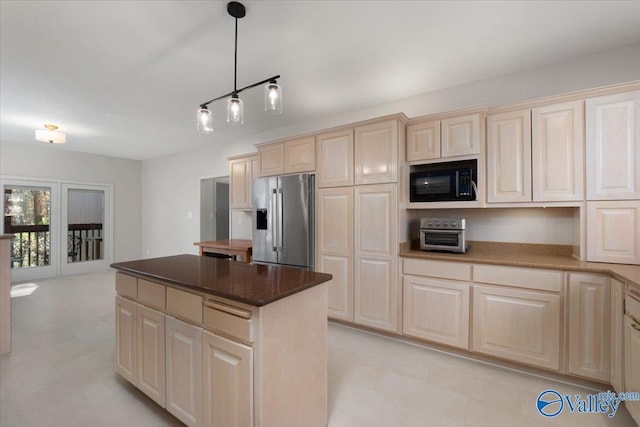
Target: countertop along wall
44 162
170 185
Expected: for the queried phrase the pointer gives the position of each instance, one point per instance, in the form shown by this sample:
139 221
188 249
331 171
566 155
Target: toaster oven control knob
454 224
444 223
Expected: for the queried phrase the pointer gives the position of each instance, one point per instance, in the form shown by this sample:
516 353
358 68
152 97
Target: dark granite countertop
252 284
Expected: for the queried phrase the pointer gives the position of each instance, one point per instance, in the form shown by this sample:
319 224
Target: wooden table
239 248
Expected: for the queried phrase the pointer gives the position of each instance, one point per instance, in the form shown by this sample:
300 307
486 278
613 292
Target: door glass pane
85 224
27 216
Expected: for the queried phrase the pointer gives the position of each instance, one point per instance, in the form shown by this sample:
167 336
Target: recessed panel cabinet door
376 153
150 369
227 368
613 146
612 231
461 136
589 326
557 152
184 371
334 159
240 175
300 155
271 159
126 338
509 157
523 326
423 141
376 247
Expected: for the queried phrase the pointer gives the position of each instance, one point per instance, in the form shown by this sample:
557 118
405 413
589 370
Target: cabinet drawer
184 305
151 294
126 286
228 320
431 268
632 303
528 278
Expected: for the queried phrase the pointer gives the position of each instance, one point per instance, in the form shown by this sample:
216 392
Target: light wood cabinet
436 310
227 382
376 153
588 329
612 231
617 331
423 141
632 363
460 136
335 248
292 156
613 146
241 173
150 369
376 247
557 152
126 342
509 157
183 371
334 159
518 325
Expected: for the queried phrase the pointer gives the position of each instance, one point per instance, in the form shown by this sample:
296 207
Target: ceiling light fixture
235 109
51 135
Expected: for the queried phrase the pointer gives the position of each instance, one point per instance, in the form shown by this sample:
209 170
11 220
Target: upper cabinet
613 147
376 152
334 154
242 170
536 155
292 156
450 137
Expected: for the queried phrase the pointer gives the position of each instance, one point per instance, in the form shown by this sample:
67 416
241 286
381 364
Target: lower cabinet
632 363
150 375
227 371
589 320
617 333
519 325
184 371
436 310
126 342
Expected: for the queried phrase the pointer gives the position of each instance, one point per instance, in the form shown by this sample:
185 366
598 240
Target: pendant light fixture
51 135
235 108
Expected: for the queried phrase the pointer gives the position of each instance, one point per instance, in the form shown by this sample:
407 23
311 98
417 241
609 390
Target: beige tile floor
60 373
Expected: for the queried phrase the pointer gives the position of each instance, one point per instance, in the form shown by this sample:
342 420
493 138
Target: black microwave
444 182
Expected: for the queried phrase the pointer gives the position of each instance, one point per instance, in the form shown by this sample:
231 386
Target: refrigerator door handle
279 220
273 218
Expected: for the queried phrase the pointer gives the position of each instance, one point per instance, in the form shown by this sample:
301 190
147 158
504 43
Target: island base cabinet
150 369
126 339
632 364
184 371
227 369
523 326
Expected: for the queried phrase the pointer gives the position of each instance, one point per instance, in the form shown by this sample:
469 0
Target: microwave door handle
457 184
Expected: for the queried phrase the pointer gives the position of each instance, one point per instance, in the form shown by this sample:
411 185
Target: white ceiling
124 78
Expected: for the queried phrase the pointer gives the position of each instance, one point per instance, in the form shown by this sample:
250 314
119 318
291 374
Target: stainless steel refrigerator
283 220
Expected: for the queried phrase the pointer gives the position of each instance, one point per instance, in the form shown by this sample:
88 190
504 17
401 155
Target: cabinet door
589 321
126 338
300 155
271 159
557 152
461 136
612 232
335 248
240 183
227 369
376 153
335 159
523 326
376 289
436 310
184 371
613 147
509 157
632 364
150 375
617 331
423 141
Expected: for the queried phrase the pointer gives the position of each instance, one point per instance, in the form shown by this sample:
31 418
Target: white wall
170 217
46 162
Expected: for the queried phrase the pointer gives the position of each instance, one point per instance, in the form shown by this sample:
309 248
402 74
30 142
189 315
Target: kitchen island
223 343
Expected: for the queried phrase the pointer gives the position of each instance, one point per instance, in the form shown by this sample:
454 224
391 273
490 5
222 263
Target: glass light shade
273 98
51 136
204 120
235 111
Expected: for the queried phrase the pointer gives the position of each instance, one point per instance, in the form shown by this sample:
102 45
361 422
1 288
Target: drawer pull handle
636 327
228 309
